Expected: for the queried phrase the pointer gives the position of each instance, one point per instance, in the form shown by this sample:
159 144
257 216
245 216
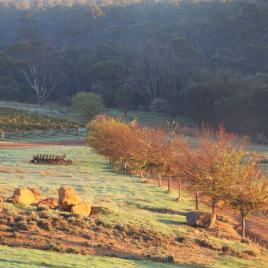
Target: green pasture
30 258
128 200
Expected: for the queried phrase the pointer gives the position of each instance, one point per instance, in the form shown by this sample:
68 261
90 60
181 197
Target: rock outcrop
68 198
83 209
200 219
50 202
26 196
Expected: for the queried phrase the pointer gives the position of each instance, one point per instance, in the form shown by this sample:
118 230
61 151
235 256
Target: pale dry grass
11 170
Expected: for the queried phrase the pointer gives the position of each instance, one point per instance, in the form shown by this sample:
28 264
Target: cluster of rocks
68 200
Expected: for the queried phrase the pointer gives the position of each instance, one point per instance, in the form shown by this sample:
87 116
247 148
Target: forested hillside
207 60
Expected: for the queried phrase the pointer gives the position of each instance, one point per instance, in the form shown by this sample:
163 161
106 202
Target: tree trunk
243 224
196 200
179 190
169 184
159 180
214 215
125 167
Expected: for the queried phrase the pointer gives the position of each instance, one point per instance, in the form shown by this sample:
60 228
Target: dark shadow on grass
106 167
171 222
162 210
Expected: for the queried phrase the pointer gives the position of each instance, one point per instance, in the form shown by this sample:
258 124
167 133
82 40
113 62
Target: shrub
88 104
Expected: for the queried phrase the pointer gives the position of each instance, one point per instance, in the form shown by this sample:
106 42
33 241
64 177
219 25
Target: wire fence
43 134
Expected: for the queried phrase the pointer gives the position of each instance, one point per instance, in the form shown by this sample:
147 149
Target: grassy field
61 111
149 118
28 258
92 177
128 199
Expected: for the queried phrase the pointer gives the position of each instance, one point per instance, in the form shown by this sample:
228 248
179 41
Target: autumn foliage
217 166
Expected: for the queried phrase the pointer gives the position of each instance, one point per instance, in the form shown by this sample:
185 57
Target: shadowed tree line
207 60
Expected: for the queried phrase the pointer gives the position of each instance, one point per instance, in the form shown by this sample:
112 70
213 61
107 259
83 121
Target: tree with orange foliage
219 166
145 152
176 151
192 170
220 155
250 190
109 137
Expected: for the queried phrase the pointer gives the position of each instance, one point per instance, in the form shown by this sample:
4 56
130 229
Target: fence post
20 135
3 134
78 132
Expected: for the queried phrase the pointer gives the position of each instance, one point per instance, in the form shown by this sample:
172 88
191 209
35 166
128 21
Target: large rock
200 219
83 209
68 198
26 196
50 202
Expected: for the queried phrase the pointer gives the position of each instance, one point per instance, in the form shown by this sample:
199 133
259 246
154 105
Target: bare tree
155 72
43 81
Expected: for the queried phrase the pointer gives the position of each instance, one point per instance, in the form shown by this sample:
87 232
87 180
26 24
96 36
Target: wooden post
3 134
243 224
169 184
125 167
20 135
159 180
196 200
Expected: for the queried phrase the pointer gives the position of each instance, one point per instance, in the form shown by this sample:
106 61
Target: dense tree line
207 60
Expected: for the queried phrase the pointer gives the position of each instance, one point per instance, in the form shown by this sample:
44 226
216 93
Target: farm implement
51 159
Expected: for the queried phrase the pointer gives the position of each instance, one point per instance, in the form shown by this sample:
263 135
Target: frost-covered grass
62 111
50 110
149 118
129 200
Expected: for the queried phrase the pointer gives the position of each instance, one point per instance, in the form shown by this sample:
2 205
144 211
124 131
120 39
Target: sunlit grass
129 200
29 258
